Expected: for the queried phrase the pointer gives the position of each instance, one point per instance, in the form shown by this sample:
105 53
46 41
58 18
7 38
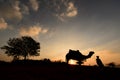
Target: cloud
61 17
10 10
32 31
62 9
71 10
34 4
3 24
67 10
44 31
24 9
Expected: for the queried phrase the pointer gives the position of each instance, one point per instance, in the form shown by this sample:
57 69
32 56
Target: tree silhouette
24 46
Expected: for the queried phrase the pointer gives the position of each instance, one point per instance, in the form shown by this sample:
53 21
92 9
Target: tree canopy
24 46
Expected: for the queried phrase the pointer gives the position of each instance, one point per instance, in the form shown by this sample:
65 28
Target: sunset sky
60 25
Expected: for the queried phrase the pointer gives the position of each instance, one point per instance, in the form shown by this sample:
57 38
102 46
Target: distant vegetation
111 64
42 62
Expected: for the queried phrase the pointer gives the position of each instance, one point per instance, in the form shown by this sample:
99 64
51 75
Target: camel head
90 53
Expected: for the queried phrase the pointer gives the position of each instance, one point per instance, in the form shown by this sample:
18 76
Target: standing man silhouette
99 62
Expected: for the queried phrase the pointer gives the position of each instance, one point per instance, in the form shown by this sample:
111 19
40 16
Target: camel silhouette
76 55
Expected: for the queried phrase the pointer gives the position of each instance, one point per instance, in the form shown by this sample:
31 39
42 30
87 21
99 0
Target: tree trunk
25 57
15 58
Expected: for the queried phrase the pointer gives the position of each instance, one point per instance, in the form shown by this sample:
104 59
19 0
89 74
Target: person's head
97 57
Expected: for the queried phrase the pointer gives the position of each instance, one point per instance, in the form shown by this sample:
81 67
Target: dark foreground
57 72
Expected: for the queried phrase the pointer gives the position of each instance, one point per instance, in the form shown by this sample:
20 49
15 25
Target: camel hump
70 50
75 52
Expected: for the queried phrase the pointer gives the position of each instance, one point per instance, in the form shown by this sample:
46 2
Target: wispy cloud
24 9
3 24
44 31
10 10
15 9
67 10
32 31
34 4
71 10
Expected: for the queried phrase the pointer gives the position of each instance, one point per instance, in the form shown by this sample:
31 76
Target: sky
60 25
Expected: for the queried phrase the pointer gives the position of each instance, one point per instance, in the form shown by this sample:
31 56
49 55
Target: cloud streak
15 9
71 10
3 24
10 10
32 31
67 10
24 9
34 5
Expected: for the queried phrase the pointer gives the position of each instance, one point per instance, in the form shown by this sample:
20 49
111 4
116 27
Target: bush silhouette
111 64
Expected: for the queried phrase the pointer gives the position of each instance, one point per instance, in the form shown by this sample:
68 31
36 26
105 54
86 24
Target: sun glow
72 62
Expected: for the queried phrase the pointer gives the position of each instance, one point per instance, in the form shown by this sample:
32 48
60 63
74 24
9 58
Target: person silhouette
99 62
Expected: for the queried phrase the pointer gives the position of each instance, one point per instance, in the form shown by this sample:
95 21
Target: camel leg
67 60
79 63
